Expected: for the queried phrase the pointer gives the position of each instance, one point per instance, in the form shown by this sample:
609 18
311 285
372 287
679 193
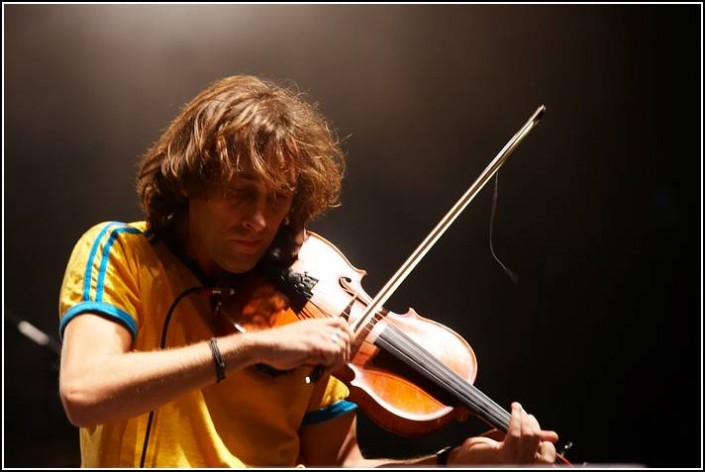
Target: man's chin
240 266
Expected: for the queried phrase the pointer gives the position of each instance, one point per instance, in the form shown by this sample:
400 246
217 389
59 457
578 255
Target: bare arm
102 380
334 443
524 443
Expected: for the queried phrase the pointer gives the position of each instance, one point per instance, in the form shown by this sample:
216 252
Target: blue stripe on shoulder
89 265
110 311
328 413
106 257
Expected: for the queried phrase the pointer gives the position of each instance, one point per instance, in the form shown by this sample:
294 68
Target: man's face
233 230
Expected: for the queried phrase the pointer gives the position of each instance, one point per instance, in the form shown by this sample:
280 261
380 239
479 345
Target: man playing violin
146 376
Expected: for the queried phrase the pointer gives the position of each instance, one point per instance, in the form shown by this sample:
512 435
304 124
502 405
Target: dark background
599 210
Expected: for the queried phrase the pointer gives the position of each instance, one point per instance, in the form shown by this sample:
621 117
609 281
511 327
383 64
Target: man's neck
182 236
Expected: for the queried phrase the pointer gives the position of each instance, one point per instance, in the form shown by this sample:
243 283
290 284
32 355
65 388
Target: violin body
387 385
395 396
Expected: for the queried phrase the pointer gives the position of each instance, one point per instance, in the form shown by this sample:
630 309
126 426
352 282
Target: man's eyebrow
244 182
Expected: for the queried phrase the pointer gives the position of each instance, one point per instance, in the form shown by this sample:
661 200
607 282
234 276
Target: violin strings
398 343
438 372
426 364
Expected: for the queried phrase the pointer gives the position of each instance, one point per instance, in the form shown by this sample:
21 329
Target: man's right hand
324 341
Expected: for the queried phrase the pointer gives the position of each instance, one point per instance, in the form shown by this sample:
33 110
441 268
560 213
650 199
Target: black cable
493 215
162 344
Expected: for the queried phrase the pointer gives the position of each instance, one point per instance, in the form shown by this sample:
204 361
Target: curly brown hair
243 125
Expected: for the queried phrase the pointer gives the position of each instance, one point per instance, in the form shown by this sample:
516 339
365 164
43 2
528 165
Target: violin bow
398 278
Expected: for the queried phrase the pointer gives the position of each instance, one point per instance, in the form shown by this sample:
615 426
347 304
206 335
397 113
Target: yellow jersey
125 273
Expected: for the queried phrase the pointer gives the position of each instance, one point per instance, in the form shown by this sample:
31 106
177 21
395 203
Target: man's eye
238 193
280 196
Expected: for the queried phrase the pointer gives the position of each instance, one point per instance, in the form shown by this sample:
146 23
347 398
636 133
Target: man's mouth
248 243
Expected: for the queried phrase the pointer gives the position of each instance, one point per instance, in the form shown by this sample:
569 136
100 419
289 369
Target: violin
409 374
405 370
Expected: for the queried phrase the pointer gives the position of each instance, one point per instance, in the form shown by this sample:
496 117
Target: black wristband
442 456
217 359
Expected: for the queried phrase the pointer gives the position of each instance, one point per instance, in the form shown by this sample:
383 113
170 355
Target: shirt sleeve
101 277
328 403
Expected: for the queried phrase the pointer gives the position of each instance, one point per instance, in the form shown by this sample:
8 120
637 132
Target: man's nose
255 216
